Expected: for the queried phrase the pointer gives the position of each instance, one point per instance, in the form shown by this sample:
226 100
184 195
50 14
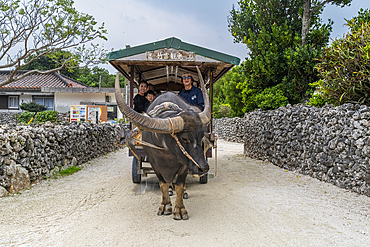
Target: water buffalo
181 127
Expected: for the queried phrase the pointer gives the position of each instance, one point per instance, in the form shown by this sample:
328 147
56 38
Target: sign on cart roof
171 49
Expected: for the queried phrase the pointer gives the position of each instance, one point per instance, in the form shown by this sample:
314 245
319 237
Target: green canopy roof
176 44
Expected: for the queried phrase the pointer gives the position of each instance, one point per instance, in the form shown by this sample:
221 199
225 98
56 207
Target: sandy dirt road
249 203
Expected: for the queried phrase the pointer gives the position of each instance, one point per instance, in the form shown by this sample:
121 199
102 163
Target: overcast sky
199 22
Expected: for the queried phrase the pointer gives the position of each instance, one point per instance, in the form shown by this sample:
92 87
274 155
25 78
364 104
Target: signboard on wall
82 113
78 113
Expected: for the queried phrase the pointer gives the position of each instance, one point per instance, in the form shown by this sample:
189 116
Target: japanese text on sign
170 54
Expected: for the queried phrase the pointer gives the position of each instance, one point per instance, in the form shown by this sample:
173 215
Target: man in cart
191 94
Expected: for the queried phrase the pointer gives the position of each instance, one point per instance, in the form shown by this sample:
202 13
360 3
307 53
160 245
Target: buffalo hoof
182 216
186 195
165 210
168 210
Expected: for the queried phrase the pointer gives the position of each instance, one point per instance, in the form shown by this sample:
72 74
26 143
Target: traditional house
55 91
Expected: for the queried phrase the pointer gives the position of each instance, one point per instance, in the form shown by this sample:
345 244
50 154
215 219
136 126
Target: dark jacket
140 103
193 96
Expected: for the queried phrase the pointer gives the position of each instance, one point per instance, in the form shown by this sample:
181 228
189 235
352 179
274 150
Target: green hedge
40 117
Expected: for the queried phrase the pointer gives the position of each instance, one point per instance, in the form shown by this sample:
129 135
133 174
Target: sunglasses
186 77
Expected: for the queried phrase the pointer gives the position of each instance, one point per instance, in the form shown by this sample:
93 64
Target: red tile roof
36 81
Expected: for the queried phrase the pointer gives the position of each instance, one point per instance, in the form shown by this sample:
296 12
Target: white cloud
139 22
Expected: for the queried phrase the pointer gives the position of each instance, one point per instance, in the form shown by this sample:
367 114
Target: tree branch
319 5
49 25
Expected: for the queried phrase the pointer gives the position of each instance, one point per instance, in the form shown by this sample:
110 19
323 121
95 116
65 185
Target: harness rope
157 110
183 149
147 143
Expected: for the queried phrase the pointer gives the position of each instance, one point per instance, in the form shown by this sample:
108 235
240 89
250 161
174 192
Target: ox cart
162 63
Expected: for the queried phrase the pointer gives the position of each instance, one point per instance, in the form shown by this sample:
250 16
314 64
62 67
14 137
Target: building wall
22 99
25 99
63 101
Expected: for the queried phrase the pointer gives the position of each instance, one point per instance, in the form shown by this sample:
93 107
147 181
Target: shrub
317 100
40 117
222 110
32 107
271 98
24 117
345 68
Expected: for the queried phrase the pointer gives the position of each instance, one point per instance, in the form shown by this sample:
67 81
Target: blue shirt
193 96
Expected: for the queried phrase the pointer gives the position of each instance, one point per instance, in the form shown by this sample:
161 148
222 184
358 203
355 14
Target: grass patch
69 171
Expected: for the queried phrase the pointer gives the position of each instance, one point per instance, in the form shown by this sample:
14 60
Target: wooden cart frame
161 64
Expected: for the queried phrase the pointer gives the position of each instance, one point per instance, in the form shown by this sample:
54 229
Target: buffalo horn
205 115
158 125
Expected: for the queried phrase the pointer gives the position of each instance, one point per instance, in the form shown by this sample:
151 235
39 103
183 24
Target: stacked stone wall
229 129
33 153
7 118
330 143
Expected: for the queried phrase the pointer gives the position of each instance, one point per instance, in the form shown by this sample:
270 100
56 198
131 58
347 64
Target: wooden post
211 97
132 77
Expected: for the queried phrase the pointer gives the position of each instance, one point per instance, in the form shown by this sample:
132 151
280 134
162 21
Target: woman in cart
140 100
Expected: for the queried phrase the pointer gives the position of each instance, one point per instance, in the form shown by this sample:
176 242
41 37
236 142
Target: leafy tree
300 62
345 65
218 98
227 95
89 76
92 76
362 18
34 28
311 8
271 98
255 15
225 110
51 61
272 29
233 96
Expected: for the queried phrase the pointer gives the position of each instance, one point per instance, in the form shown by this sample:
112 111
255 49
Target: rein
183 149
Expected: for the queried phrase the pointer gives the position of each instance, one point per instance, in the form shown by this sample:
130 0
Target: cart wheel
203 179
136 166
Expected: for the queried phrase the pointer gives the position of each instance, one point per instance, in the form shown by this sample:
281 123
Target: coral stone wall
229 129
7 118
331 144
32 153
